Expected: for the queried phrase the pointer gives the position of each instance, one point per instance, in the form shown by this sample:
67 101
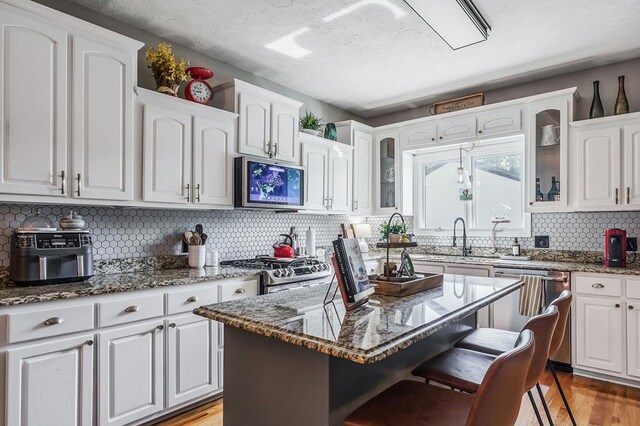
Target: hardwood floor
593 402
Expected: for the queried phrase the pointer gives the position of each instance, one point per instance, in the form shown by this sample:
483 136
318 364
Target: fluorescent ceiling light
457 22
288 45
397 11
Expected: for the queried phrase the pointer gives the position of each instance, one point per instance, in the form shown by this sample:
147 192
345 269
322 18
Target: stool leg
544 404
535 408
564 399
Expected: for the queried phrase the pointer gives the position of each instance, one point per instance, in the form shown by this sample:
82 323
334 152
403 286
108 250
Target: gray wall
222 72
607 74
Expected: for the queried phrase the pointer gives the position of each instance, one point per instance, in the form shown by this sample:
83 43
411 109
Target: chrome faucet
466 251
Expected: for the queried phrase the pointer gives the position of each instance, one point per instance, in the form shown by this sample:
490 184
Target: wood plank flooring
593 402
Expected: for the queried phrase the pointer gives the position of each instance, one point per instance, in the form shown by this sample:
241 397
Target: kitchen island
291 360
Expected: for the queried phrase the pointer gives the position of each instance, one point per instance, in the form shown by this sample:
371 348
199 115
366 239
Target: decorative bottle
622 105
539 195
554 192
597 110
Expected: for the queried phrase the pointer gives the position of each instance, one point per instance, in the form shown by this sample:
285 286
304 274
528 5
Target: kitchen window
493 189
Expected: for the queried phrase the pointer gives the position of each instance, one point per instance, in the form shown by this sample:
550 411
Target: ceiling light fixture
457 22
397 11
288 45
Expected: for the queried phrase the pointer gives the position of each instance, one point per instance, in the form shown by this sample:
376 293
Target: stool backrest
563 302
543 327
498 399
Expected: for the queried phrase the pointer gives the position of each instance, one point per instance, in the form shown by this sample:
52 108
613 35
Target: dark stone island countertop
369 333
12 294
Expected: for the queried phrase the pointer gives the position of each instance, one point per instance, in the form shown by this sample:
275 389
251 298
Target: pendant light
462 176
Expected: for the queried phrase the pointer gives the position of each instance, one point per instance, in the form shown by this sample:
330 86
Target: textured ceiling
378 56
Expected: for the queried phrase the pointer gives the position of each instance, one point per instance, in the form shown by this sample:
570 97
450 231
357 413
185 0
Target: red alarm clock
198 90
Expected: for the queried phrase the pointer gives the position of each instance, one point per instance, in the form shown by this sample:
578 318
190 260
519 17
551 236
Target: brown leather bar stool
497 402
465 369
494 341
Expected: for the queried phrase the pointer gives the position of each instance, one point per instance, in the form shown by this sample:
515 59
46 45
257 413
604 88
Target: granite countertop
369 333
13 294
563 264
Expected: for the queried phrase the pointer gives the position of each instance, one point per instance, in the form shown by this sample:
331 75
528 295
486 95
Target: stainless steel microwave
266 184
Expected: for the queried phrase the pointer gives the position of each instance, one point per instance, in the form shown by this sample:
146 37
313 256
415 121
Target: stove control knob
290 272
325 267
277 273
315 268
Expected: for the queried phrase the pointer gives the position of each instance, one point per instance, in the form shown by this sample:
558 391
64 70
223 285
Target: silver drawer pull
131 309
240 290
597 285
53 321
193 299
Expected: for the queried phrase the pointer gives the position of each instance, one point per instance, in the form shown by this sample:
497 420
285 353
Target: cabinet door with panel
633 337
51 383
254 136
599 339
102 117
340 180
284 132
499 121
316 161
213 152
130 372
33 107
631 187
192 358
166 155
462 127
362 172
422 135
599 167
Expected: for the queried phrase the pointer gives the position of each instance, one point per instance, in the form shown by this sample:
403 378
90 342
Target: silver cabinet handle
276 151
53 321
325 202
79 181
172 324
268 148
193 299
356 203
89 343
241 290
330 203
188 192
597 285
80 264
198 193
131 309
42 261
63 182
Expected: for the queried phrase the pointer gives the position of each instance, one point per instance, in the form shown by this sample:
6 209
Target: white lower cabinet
633 337
50 383
192 358
130 372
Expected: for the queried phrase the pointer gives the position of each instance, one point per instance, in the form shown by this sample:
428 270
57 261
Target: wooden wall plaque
457 104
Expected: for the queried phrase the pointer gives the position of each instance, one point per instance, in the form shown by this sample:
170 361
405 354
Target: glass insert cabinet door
548 140
387 172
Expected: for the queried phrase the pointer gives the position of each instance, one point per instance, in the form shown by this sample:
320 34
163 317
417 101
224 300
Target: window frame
478 149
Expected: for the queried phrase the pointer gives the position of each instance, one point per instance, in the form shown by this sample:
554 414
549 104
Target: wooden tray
397 245
405 286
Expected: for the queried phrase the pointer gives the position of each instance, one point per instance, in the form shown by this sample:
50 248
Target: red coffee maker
615 248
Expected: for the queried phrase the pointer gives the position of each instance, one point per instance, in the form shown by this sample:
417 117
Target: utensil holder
196 256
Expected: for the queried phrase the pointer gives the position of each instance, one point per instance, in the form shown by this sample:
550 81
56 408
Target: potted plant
167 71
394 231
311 123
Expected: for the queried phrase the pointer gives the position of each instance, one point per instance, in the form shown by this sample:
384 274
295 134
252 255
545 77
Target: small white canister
212 257
196 256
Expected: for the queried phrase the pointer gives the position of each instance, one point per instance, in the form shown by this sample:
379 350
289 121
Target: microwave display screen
274 184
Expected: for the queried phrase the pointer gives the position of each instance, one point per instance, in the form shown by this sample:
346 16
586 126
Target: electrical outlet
542 241
632 244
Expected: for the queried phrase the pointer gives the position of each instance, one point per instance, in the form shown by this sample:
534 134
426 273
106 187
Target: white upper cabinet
67 114
166 155
499 121
461 127
214 143
340 179
362 172
268 123
387 182
598 167
102 105
631 187
422 135
316 161
33 106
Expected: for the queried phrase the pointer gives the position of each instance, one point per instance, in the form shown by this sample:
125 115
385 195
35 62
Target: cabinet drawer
633 288
600 286
373 267
238 290
188 299
427 268
129 309
32 324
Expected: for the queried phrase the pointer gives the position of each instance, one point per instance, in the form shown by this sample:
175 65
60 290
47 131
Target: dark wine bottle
597 110
539 195
554 192
622 105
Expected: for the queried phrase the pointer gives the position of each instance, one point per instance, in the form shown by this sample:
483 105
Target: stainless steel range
279 274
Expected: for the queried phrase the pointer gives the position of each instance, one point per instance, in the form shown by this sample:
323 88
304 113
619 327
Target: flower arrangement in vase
167 71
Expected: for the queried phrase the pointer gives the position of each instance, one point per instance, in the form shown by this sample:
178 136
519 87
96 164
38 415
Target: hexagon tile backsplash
135 232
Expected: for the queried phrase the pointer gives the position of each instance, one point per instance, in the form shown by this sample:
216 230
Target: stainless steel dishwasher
506 315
